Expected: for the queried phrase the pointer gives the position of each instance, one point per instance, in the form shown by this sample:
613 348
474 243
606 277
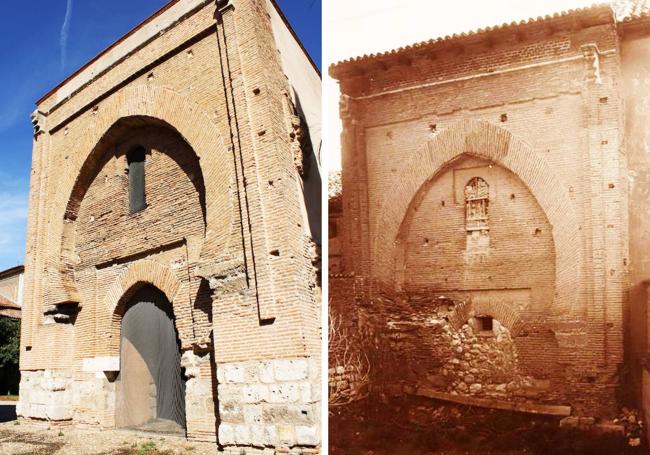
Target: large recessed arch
118 132
496 144
160 106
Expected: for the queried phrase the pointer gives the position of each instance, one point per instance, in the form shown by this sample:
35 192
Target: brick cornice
565 21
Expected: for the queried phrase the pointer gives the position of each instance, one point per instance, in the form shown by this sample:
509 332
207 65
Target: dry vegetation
18 438
425 427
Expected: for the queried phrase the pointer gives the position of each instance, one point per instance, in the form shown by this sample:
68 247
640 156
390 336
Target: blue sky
44 41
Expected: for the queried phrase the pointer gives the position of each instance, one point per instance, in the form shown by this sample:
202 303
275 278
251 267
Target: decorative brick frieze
38 122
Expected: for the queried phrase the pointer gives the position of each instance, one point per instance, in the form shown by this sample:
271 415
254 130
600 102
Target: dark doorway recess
150 385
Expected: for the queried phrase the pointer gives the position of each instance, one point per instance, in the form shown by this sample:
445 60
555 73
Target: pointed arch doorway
150 385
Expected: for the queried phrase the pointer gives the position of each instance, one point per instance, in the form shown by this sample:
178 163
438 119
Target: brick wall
410 119
224 234
520 254
635 68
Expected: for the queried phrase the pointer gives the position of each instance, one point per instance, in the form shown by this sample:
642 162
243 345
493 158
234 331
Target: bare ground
427 427
19 438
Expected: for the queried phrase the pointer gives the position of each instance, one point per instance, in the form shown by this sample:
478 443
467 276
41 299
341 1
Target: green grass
146 448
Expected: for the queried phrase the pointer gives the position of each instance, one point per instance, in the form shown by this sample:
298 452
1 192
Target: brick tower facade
182 158
494 215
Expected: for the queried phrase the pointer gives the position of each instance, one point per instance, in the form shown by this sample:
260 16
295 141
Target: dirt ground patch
24 439
426 427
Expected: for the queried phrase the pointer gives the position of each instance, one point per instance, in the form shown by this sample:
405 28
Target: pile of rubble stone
633 425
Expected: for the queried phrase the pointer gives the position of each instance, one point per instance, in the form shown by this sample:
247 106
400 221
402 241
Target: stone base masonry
269 404
45 395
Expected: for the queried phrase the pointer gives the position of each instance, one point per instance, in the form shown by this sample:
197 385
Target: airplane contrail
64 33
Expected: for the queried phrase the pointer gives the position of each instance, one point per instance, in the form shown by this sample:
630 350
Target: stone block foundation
45 395
270 406
269 403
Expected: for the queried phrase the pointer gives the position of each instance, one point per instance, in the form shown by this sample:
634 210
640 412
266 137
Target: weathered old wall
304 78
560 262
224 235
304 98
334 233
520 253
635 70
440 344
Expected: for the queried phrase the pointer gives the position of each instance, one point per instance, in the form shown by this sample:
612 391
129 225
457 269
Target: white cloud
65 28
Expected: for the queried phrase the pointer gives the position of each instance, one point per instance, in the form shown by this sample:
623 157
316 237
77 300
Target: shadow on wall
7 412
312 180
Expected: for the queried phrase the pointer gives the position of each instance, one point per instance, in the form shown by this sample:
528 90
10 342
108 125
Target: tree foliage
9 342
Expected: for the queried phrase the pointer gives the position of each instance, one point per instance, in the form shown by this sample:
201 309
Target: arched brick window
135 158
477 198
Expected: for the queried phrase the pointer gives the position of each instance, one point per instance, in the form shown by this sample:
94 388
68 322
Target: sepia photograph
488 227
160 227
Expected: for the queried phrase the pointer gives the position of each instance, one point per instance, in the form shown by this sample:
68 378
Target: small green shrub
146 448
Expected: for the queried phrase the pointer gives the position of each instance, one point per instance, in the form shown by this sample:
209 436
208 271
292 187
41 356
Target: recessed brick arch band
198 130
135 276
498 145
143 271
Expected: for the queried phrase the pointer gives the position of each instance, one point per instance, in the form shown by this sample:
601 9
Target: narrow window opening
135 158
485 323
